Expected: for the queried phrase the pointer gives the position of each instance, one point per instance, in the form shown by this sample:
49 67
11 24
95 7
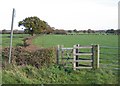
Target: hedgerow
38 58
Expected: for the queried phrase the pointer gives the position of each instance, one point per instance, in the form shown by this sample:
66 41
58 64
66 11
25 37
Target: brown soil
31 47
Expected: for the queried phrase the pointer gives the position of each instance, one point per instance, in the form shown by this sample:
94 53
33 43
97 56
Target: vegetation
38 58
108 56
112 31
56 75
34 25
70 40
17 39
62 32
29 74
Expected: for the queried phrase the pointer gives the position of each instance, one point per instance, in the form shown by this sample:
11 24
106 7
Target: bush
39 58
63 32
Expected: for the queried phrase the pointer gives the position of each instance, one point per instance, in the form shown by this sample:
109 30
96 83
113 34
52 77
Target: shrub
60 32
39 58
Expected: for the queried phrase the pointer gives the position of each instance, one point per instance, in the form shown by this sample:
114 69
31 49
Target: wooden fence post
74 57
58 54
96 56
77 57
62 54
92 50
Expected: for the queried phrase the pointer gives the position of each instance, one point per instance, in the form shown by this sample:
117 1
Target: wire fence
109 57
109 47
110 53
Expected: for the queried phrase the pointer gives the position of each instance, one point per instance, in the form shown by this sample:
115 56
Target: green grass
55 74
70 40
17 39
107 56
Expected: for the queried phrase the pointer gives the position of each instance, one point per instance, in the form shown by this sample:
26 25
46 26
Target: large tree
33 25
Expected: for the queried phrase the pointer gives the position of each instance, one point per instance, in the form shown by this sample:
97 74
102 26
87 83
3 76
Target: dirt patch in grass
28 45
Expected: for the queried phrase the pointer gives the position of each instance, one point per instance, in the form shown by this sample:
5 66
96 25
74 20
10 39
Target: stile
75 60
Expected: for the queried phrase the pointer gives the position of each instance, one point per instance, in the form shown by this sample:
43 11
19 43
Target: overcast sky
62 14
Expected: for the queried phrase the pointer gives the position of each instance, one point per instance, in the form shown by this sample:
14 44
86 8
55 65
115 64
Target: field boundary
74 55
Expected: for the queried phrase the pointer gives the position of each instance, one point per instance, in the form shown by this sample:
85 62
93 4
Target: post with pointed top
11 36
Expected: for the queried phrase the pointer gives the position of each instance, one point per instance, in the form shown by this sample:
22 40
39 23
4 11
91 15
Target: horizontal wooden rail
66 48
68 58
86 54
83 61
81 47
81 67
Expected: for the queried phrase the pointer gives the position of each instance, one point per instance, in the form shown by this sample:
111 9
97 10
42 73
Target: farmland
108 56
70 40
17 39
105 75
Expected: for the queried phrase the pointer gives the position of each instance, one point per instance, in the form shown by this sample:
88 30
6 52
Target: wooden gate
78 56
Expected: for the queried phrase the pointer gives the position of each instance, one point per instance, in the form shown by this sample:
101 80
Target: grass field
108 55
70 40
17 39
107 74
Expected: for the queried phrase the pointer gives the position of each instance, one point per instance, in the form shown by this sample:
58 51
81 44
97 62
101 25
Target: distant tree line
81 31
62 31
112 31
14 31
34 25
109 31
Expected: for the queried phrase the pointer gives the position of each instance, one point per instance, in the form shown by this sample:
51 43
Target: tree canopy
33 25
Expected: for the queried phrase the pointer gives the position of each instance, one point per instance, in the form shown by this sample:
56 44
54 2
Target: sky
62 14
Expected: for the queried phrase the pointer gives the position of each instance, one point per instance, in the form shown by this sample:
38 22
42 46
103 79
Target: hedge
39 58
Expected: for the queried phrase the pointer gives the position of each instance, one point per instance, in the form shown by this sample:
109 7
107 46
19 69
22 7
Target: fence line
66 58
109 47
110 53
76 53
